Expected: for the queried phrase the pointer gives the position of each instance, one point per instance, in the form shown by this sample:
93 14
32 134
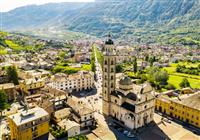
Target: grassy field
13 46
3 52
69 69
175 78
17 47
86 67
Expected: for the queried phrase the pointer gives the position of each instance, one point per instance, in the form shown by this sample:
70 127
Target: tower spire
109 40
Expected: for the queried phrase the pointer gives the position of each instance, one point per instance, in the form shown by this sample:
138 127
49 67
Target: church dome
125 83
109 40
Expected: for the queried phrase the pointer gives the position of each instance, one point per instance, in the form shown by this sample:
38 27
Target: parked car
125 132
130 135
120 129
110 124
194 131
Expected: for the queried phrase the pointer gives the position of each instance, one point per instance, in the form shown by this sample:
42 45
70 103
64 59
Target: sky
7 5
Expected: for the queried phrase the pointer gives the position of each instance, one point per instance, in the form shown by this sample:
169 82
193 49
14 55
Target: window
112 62
105 62
105 77
111 85
112 70
111 77
105 69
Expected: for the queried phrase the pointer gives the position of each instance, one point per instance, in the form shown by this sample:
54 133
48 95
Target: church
129 104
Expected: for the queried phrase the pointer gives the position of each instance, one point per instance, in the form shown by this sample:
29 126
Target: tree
157 77
3 101
184 83
119 68
170 86
152 59
135 65
161 77
92 60
12 74
147 58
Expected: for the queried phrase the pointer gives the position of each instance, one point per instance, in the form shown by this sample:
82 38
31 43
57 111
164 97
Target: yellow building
30 124
185 108
29 86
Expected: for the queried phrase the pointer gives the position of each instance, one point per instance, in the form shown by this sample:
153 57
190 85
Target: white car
125 132
130 135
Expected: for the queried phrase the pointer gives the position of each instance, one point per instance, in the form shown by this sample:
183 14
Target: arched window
111 77
112 62
105 62
105 69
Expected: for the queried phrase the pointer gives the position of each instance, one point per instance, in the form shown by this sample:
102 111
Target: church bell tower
109 79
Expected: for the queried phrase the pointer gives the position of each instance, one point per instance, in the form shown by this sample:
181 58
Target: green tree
152 59
119 68
161 77
157 77
135 65
12 74
184 83
92 59
3 101
147 58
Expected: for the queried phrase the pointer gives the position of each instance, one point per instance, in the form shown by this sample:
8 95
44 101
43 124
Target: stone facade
130 105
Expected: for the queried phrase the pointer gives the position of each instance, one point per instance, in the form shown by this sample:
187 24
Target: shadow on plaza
84 93
148 132
185 125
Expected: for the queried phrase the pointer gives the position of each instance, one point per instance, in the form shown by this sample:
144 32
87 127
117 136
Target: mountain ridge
123 18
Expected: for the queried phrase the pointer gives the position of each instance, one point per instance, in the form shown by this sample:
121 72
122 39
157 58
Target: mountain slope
126 19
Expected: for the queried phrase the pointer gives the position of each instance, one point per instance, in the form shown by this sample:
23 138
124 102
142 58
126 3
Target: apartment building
29 124
82 80
185 108
30 86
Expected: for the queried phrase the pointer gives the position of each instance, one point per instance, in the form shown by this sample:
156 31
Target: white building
82 80
81 113
130 105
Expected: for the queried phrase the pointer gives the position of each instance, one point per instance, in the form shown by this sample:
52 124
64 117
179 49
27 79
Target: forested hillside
142 21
